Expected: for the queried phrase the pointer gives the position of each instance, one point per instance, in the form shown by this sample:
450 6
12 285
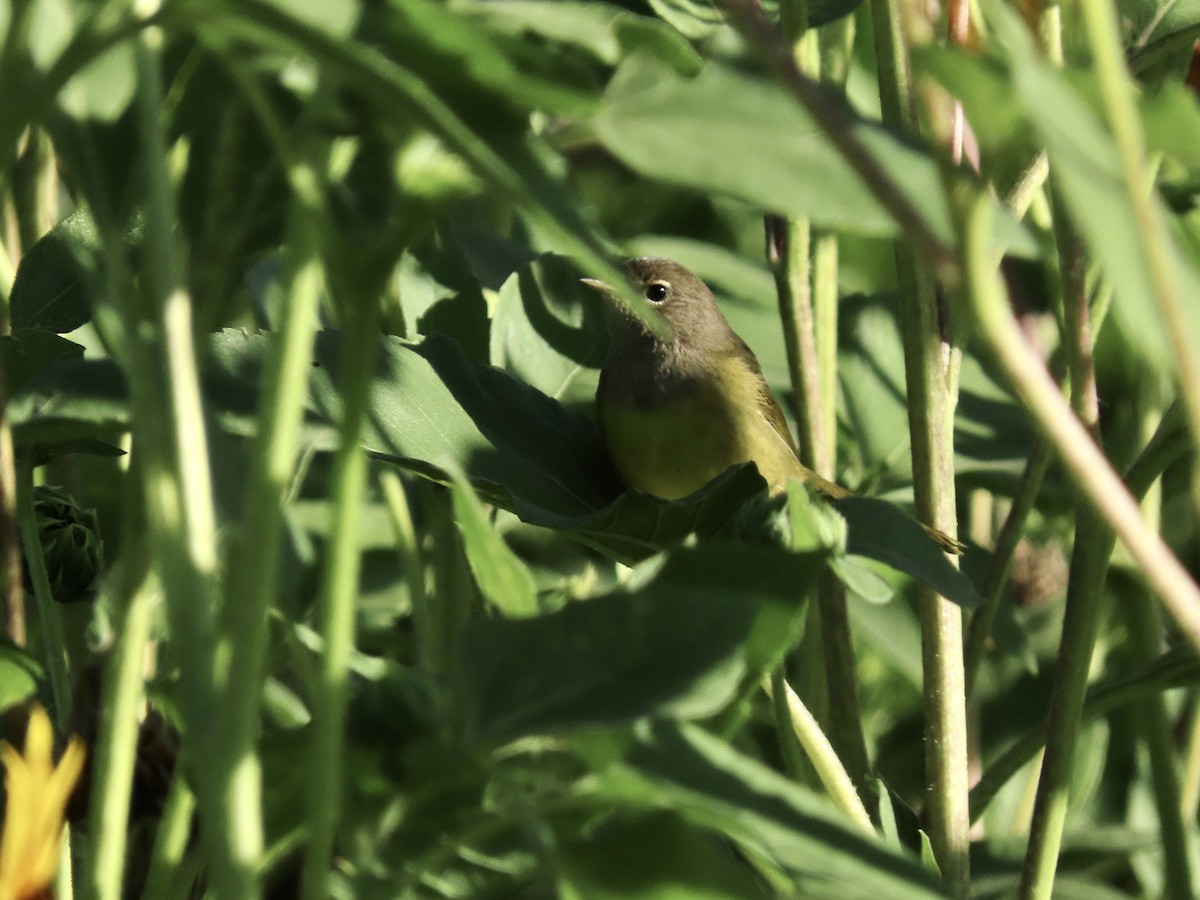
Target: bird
678 408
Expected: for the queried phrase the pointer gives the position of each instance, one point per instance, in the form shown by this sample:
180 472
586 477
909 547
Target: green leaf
28 351
676 646
691 18
19 675
882 531
103 89
695 132
50 291
502 578
606 31
822 12
661 859
548 331
684 769
440 295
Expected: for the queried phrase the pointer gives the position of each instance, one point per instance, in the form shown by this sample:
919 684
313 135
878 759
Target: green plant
291 300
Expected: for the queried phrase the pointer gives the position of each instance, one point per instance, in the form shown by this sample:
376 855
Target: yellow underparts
675 448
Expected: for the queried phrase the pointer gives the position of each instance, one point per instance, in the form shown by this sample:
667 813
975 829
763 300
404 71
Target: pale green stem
1149 228
170 842
1189 792
115 752
253 575
169 435
1145 631
836 781
1089 567
931 377
339 592
1000 565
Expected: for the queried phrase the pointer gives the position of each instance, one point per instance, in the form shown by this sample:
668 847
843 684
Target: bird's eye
657 292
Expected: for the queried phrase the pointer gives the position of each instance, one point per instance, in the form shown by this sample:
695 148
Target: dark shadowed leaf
701 778
50 291
679 646
661 859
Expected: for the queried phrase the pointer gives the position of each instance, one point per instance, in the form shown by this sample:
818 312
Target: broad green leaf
676 646
1171 118
103 89
439 294
701 778
695 132
502 578
28 351
606 31
50 291
548 331
822 12
881 531
860 578
337 17
692 18
661 859
19 675
1156 28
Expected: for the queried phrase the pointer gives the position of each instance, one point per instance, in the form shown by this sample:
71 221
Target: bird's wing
771 411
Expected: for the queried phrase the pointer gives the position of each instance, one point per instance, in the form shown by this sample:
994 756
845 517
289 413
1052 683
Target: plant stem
1145 631
1000 564
930 371
170 843
253 575
48 619
338 594
1089 567
115 752
169 436
820 753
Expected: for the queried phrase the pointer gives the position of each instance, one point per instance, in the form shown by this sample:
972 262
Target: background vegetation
303 501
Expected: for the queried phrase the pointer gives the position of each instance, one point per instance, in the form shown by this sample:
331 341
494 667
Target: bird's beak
597 285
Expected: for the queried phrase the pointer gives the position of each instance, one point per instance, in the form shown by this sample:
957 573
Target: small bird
677 410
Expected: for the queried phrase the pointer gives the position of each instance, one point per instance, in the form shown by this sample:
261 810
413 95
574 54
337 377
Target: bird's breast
682 438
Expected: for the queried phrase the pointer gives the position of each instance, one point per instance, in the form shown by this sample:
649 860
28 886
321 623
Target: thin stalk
836 781
788 247
170 841
931 375
1000 564
1149 227
49 621
1145 630
1189 791
338 595
115 752
412 562
253 575
11 584
1089 567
